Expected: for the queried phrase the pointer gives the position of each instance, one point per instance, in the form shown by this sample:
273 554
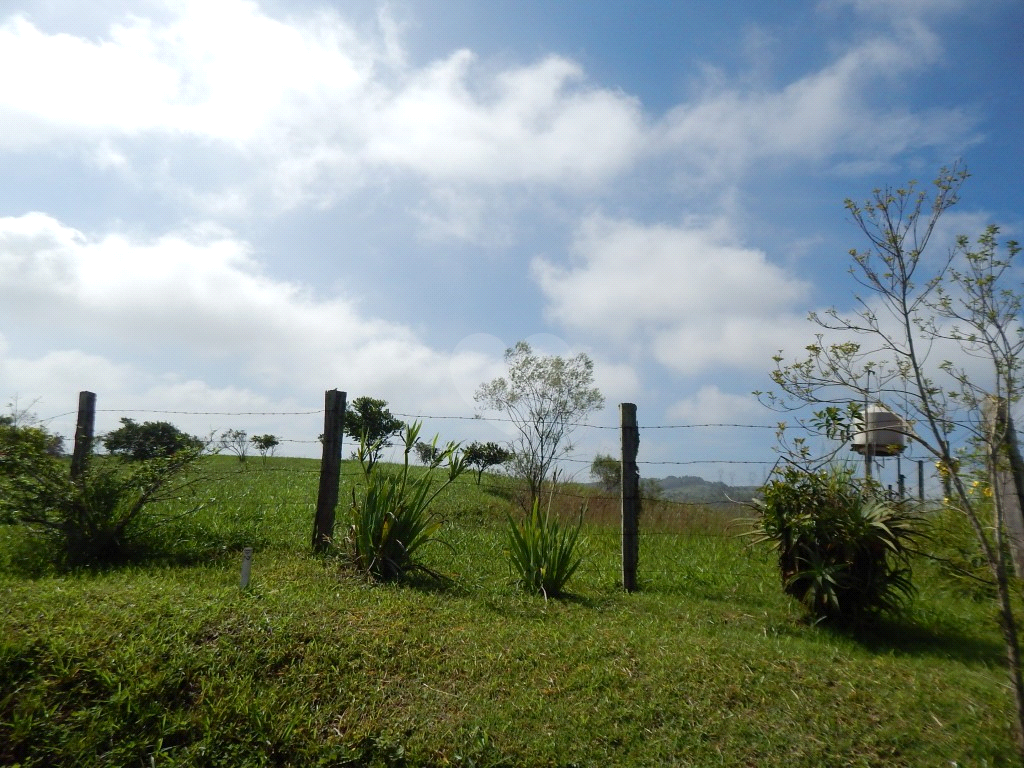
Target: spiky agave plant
389 519
544 553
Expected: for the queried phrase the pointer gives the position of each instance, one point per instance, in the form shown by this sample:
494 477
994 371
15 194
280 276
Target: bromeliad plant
388 518
843 548
544 553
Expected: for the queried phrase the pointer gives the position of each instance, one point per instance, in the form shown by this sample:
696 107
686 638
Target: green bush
100 517
388 519
544 553
33 479
843 549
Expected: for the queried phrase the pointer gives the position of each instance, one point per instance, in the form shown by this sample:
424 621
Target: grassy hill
698 490
170 663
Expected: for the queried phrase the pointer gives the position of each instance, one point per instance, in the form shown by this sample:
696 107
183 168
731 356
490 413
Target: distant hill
697 489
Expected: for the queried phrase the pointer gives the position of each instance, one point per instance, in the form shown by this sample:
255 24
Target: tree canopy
368 419
148 440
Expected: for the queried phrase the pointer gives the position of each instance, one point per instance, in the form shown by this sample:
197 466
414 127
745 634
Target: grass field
170 663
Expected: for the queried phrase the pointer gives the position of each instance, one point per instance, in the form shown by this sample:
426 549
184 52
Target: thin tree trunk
1008 625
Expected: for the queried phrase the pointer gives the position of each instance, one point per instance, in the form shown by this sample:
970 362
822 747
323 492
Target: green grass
171 664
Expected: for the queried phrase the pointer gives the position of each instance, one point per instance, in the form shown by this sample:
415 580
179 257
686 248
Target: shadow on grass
884 634
34 554
432 582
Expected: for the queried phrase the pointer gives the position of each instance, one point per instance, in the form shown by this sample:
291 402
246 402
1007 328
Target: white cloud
310 100
201 304
693 294
304 110
710 405
833 113
534 126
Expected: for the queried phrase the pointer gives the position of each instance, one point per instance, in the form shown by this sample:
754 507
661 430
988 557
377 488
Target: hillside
698 490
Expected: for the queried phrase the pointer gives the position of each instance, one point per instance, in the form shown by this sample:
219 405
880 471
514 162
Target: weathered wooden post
630 435
84 432
1007 477
330 469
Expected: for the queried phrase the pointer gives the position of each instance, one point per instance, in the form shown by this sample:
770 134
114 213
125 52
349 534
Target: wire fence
297 432
663 513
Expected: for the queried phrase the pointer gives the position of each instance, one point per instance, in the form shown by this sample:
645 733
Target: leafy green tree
483 456
265 444
32 479
545 397
913 305
607 470
55 443
368 419
148 440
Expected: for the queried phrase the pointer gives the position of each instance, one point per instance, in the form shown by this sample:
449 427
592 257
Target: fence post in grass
84 431
630 434
330 469
1007 477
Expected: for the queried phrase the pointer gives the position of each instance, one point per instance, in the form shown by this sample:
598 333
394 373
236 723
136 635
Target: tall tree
913 305
545 397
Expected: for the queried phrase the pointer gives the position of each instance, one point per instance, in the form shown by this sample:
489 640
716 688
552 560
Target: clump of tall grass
389 519
544 553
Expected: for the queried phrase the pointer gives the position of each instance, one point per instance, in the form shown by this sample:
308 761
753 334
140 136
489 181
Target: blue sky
228 206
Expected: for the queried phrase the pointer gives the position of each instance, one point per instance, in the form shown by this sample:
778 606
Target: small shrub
265 444
483 456
237 442
100 517
389 518
544 553
843 549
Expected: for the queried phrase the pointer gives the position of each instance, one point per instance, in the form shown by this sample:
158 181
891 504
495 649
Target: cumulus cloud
201 299
534 125
305 109
694 294
833 113
318 102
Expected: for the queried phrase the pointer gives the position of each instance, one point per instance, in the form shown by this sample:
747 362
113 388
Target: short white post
246 566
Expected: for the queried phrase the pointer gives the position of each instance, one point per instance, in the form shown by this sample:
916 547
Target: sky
213 211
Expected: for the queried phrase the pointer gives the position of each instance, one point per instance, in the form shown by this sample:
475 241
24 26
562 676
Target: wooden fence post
630 435
1008 477
330 469
84 431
